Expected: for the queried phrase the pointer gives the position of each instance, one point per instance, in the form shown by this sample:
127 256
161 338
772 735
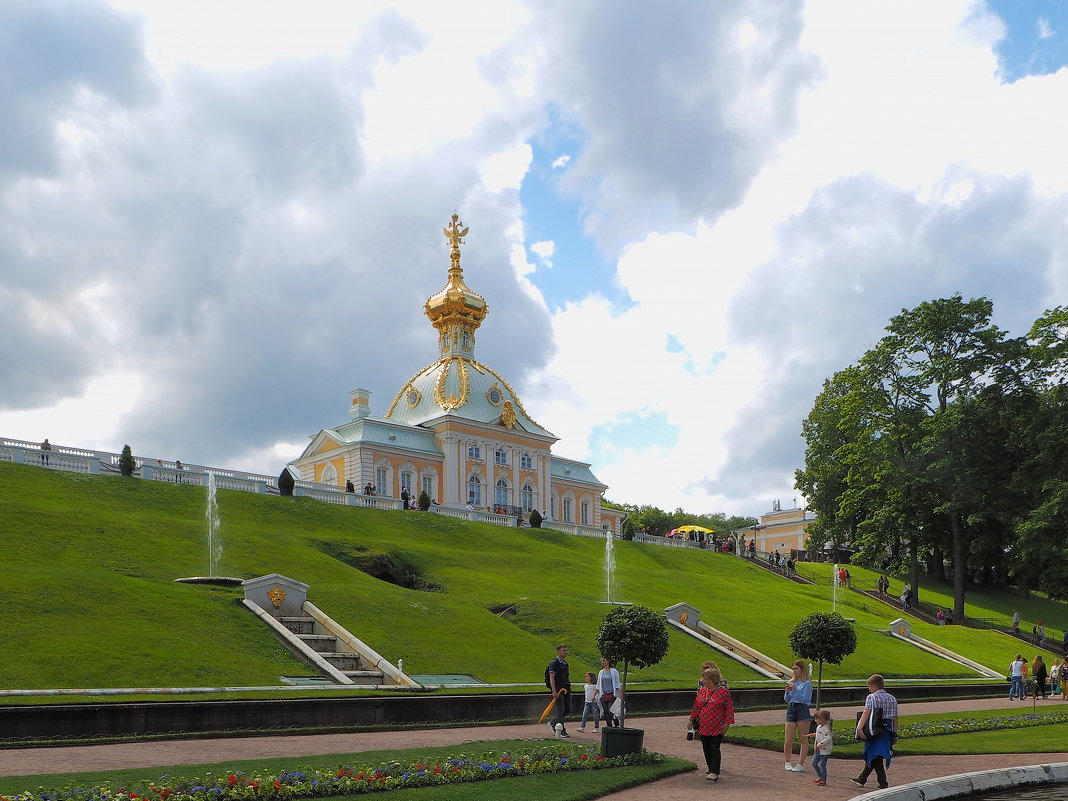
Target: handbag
873 727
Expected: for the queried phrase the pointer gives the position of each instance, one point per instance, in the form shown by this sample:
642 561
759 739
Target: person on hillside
798 696
350 487
878 740
405 497
791 566
906 598
940 617
559 684
1015 622
1055 678
368 488
1041 673
590 709
1064 680
883 584
610 687
46 449
712 716
752 550
1016 685
1041 630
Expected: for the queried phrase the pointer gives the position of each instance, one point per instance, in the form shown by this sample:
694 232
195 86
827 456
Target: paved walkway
749 774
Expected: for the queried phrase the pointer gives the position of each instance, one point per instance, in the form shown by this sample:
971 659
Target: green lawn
90 563
573 786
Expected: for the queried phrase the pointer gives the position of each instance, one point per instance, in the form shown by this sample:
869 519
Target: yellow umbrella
696 528
549 708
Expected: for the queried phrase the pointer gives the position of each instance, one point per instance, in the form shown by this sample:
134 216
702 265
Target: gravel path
748 774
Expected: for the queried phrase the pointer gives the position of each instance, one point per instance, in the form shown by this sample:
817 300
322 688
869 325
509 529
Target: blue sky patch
1036 39
549 214
633 432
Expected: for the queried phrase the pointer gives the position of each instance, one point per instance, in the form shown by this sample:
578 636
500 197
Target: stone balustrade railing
77 460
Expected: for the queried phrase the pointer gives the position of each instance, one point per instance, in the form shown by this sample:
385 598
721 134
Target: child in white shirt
593 692
821 746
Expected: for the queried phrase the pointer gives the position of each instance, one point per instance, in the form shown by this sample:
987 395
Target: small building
781 530
458 431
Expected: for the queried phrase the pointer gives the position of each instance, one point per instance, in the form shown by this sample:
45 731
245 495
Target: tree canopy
941 449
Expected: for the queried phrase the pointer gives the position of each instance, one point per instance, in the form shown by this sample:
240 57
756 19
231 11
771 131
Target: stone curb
964 785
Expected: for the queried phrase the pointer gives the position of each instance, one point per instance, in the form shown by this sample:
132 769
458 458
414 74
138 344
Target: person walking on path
1041 673
559 683
878 731
1015 622
713 714
610 688
821 745
591 709
798 696
1016 686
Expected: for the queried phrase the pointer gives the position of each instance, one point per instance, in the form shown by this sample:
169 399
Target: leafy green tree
424 501
823 637
535 519
127 463
633 635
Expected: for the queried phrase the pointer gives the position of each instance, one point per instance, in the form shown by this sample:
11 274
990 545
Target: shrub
535 519
127 463
424 501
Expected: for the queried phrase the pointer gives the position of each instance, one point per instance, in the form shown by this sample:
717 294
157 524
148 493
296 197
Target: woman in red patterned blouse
713 714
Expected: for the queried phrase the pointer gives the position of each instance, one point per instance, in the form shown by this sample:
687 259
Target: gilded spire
456 312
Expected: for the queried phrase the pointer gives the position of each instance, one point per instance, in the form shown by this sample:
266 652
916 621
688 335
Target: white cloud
217 221
1045 30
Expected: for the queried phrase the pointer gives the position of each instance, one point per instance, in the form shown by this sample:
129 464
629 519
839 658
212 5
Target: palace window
474 452
584 509
567 510
380 482
526 462
474 491
500 456
406 482
501 496
528 498
428 486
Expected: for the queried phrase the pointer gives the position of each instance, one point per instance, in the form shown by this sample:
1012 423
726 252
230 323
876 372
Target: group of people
601 691
876 727
713 715
1052 677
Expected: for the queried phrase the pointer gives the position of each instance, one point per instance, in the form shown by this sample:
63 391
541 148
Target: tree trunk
937 567
623 705
819 684
914 571
957 531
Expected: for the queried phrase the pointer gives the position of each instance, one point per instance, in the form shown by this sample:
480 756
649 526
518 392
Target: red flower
584 757
232 780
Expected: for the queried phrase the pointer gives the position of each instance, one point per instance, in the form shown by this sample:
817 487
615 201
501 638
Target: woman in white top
608 684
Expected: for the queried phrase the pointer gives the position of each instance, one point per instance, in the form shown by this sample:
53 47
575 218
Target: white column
449 468
517 489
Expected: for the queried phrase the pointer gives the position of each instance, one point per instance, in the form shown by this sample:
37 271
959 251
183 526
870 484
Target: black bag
874 727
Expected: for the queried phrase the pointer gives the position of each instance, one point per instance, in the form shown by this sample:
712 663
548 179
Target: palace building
458 431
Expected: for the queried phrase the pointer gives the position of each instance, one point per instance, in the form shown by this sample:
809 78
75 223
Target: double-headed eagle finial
454 233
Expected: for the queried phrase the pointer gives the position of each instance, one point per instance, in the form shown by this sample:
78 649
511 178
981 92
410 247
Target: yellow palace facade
458 431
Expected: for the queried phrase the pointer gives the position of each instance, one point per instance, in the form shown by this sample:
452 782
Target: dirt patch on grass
382 566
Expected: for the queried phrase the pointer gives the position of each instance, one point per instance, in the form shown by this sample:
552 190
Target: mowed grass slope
90 563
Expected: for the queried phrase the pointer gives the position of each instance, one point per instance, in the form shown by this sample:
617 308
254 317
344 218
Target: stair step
320 643
298 625
365 676
343 661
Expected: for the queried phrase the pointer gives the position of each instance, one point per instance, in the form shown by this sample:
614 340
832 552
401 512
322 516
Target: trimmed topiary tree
634 635
127 463
424 501
823 637
535 519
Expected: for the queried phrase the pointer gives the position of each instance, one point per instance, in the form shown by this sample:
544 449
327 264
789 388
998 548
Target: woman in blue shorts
798 696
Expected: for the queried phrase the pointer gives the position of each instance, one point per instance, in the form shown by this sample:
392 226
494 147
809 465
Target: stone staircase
333 650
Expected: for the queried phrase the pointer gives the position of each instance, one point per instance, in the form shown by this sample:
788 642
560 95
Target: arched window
474 491
528 498
501 497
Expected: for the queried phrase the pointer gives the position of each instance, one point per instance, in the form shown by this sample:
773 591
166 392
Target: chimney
360 403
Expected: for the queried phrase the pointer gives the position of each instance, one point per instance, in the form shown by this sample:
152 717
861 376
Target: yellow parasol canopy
696 528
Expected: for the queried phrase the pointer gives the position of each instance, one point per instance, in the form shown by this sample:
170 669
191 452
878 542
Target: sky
217 219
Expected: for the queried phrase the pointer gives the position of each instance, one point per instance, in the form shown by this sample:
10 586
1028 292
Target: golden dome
455 311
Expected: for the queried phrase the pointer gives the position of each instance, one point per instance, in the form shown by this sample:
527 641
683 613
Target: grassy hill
89 563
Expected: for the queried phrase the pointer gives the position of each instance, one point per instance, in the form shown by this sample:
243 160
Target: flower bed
352 779
934 728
